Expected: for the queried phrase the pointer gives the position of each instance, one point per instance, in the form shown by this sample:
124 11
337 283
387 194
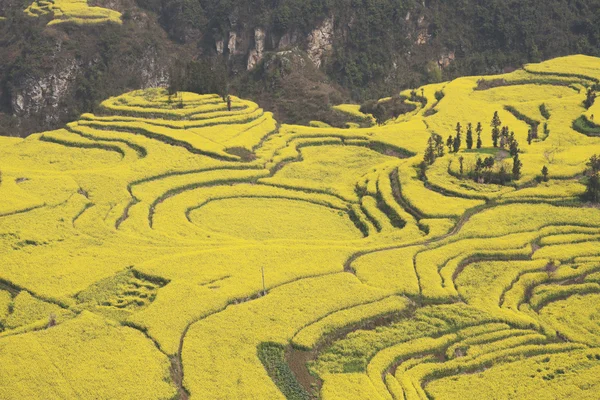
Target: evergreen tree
545 174
430 152
514 146
479 130
439 145
534 131
496 123
517 164
592 191
593 164
457 139
504 137
488 163
379 114
450 143
456 144
461 160
478 169
469 139
479 165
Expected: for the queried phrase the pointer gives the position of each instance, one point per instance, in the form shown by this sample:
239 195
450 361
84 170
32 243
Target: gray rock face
43 96
257 53
320 42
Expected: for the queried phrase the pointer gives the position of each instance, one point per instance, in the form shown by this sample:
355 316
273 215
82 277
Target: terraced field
72 11
169 248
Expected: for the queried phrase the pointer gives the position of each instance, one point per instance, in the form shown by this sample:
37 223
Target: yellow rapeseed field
170 247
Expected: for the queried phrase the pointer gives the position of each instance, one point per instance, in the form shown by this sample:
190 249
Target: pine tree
479 130
592 191
379 114
488 163
461 160
469 139
496 123
457 139
456 144
514 146
478 169
430 152
517 164
439 145
545 174
450 143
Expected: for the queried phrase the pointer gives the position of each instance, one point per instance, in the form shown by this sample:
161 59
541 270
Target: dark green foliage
201 77
486 171
479 130
517 165
585 126
592 191
457 139
513 145
533 124
589 98
272 356
469 139
545 174
495 124
391 109
544 111
435 149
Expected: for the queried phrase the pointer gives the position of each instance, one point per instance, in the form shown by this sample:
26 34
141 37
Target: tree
379 114
495 124
517 164
593 164
504 137
479 165
439 145
502 175
450 143
529 137
435 149
461 160
457 139
592 190
545 174
488 163
514 146
479 130
430 152
469 139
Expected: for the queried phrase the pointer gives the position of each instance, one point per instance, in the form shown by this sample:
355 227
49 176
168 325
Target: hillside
59 61
173 247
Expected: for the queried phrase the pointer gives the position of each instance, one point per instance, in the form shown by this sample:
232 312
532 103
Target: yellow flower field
169 248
